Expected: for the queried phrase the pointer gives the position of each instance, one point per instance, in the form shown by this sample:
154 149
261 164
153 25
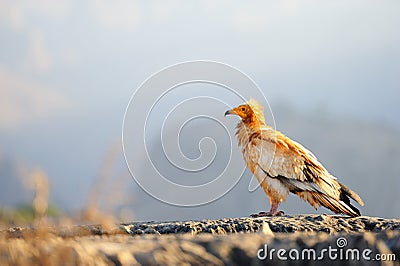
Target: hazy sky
66 57
66 66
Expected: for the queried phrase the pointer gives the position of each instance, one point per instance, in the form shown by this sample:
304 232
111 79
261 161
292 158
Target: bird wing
298 169
277 155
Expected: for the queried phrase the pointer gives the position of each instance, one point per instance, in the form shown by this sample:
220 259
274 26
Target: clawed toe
260 214
267 214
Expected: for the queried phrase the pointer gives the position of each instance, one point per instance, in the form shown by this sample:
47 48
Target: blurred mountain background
330 71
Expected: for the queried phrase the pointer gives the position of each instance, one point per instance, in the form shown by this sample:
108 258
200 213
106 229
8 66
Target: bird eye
243 109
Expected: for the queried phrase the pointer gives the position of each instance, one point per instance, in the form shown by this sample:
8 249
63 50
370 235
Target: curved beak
228 113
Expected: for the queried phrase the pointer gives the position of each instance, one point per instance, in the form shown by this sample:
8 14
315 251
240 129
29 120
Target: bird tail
315 196
348 192
342 205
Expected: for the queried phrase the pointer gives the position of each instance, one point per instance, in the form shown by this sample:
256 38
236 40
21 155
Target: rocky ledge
302 239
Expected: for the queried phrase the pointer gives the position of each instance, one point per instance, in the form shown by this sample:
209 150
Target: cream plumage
282 165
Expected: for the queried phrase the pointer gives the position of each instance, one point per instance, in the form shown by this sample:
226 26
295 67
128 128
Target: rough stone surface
233 241
282 224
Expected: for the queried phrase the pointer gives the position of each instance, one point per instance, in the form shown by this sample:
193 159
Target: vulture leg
272 212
